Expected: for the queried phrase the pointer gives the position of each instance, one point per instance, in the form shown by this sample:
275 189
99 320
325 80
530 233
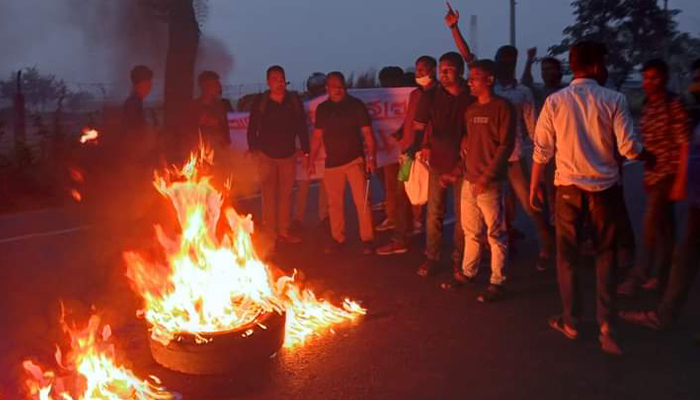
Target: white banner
387 108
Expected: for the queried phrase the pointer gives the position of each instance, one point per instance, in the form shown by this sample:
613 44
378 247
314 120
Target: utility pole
512 22
473 35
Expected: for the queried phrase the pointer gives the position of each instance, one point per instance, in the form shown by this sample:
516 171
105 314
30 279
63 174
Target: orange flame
209 284
76 195
89 136
89 371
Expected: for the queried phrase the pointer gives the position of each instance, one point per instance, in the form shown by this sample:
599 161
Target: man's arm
536 191
628 143
545 139
452 22
253 125
681 130
529 117
316 142
370 148
506 138
527 78
303 130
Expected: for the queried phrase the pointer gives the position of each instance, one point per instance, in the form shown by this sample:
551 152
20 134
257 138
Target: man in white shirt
583 127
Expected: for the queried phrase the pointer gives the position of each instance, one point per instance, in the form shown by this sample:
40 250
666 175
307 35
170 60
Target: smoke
214 56
82 41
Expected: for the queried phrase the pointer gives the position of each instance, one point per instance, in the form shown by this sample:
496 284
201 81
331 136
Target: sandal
557 323
647 319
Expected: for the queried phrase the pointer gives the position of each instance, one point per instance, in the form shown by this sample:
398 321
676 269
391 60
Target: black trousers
658 234
572 207
683 272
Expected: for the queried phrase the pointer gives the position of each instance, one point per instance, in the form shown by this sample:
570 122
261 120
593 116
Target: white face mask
424 80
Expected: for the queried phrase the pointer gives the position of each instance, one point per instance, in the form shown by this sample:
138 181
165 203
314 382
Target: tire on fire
224 351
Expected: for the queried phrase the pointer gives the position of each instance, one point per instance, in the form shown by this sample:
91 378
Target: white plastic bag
417 183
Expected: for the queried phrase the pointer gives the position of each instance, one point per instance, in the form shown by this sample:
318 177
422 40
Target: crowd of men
474 136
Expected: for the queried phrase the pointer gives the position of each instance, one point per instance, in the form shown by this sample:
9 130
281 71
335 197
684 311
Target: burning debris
89 371
210 283
89 136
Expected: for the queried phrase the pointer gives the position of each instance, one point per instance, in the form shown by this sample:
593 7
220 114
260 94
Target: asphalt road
417 341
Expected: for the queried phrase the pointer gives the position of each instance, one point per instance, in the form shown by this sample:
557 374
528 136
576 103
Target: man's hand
447 179
537 198
479 187
531 54
310 166
647 158
371 165
424 156
452 16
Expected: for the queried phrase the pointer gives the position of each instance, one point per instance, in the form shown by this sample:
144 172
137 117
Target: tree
633 30
39 90
183 42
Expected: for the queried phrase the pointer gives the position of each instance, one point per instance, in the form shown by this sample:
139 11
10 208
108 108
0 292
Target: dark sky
301 35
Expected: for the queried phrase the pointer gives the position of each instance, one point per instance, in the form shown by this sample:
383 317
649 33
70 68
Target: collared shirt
664 128
445 112
520 96
582 126
342 123
274 127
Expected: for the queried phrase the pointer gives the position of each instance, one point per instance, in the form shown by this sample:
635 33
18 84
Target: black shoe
368 248
543 263
333 248
491 294
428 268
459 279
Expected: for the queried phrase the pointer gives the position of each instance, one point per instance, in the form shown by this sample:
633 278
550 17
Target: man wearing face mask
518 176
684 271
583 127
409 143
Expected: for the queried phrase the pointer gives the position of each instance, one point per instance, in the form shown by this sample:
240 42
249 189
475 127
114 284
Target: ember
89 136
209 284
89 371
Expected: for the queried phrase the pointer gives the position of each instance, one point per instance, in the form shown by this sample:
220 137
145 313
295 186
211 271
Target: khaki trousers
276 181
334 180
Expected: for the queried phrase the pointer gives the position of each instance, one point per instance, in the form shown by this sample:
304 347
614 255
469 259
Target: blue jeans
437 204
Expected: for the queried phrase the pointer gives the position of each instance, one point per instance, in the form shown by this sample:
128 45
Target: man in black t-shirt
443 108
277 120
342 122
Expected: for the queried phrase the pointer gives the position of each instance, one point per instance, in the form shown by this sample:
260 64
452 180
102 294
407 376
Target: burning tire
225 351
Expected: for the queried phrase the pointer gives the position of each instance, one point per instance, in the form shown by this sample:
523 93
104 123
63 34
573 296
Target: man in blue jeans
490 139
444 110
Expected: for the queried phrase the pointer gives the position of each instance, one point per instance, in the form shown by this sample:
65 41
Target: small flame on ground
88 371
211 283
76 195
89 136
